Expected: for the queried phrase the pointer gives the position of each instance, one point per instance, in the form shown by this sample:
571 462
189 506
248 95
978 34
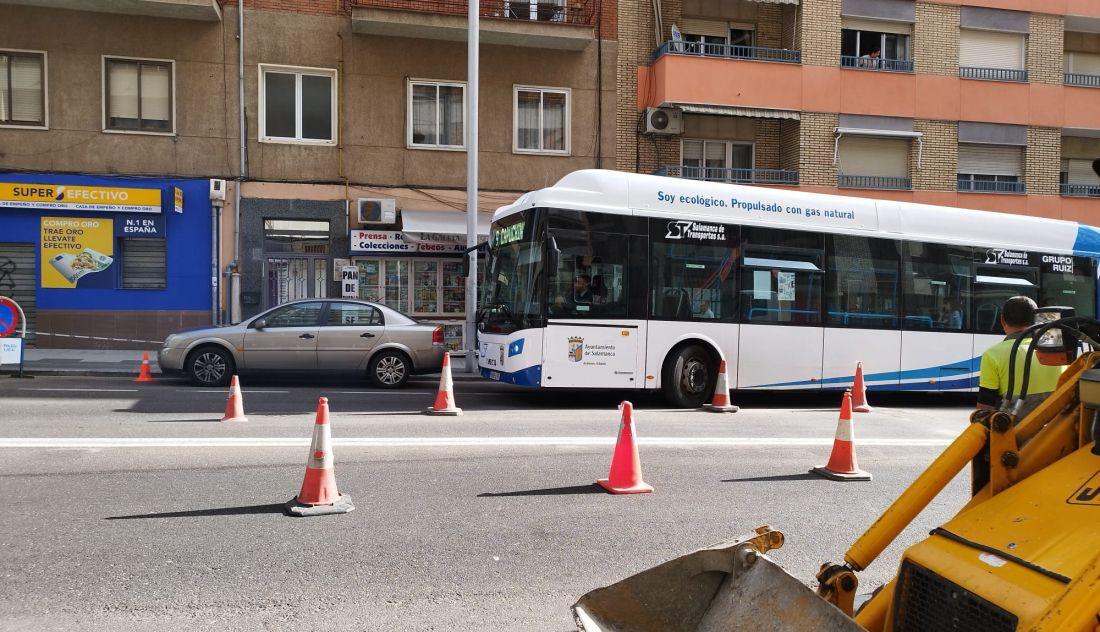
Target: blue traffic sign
9 316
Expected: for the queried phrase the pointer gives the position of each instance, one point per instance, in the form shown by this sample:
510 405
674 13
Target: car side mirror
260 323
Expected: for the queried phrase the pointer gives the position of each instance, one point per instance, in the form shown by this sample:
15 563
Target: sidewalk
105 363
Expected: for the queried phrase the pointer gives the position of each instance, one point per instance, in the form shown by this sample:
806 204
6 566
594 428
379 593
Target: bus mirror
466 257
552 254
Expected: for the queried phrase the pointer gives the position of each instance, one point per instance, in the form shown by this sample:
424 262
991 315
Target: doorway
296 260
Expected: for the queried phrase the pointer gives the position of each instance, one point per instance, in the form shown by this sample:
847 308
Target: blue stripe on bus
531 376
1087 243
893 377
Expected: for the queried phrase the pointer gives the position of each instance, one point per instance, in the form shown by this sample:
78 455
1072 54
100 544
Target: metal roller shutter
18 281
990 49
991 160
1083 63
1080 172
876 26
869 156
143 263
713 28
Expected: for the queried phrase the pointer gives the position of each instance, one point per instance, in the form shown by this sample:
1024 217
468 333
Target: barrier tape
42 333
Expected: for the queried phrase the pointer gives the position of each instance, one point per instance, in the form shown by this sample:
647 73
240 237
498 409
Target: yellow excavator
1022 554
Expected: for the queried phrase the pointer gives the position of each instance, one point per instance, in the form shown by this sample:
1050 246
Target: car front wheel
389 369
210 366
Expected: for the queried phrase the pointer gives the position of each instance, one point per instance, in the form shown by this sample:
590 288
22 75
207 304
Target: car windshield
515 276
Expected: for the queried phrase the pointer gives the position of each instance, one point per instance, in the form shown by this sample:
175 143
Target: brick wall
788 144
636 44
816 144
939 160
766 144
936 39
1045 46
1044 160
819 33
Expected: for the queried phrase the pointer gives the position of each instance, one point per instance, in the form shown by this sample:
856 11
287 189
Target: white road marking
445 442
223 391
85 390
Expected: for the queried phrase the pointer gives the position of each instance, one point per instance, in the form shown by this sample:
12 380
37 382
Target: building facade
985 104
355 131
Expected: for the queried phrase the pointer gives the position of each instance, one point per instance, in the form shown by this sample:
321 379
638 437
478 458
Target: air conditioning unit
377 211
664 121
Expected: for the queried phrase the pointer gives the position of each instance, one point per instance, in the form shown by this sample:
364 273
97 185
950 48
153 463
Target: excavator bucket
728 587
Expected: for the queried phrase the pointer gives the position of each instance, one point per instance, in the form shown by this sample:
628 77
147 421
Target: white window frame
297 71
409 115
516 89
104 97
45 89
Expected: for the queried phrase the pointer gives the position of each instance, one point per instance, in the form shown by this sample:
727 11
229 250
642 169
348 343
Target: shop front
109 263
418 270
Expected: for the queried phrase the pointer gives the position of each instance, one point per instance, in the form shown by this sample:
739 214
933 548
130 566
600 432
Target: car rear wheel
689 377
389 369
210 366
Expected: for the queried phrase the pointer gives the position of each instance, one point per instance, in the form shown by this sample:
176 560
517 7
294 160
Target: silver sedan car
314 335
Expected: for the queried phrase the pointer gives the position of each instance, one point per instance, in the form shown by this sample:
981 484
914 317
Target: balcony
562 24
886 65
729 51
206 10
993 74
967 185
723 174
1080 190
1087 81
885 183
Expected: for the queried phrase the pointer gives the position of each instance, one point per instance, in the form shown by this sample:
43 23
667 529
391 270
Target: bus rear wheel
690 376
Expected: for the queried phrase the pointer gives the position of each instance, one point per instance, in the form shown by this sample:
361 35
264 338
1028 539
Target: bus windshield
515 276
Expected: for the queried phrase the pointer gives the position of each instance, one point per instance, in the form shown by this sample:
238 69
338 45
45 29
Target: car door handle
366 335
306 336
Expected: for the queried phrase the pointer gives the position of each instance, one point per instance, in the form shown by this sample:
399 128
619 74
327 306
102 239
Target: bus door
592 355
780 290
862 305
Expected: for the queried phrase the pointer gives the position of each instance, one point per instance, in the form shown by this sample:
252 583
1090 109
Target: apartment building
355 147
985 104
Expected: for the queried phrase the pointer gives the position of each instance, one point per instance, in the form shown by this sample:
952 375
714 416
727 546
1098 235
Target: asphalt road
130 507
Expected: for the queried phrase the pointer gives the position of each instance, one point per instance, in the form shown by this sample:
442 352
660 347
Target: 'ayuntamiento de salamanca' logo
576 348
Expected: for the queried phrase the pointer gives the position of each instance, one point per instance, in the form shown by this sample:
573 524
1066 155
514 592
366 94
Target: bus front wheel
690 376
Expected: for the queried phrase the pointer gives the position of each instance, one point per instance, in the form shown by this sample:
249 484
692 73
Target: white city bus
617 280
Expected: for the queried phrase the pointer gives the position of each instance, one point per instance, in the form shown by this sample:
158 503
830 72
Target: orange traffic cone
842 462
144 375
721 401
234 403
319 496
859 392
626 469
445 399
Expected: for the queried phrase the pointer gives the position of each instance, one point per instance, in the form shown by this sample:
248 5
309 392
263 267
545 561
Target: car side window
300 315
352 315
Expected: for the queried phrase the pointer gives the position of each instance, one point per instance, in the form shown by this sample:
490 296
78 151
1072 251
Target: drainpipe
234 299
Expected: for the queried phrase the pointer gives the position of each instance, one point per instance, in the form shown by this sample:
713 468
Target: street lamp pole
471 186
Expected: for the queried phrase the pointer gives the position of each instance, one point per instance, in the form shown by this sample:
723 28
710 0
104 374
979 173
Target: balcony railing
1089 81
993 74
576 12
874 182
722 174
729 51
1080 190
988 186
878 63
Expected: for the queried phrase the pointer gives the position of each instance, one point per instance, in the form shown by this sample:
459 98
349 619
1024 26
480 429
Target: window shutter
712 28
1080 172
143 263
875 26
868 156
1083 63
26 89
990 49
991 160
156 92
123 81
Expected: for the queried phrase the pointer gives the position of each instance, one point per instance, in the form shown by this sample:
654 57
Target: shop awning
447 226
727 110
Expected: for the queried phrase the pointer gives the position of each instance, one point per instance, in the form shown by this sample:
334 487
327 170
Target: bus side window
937 288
